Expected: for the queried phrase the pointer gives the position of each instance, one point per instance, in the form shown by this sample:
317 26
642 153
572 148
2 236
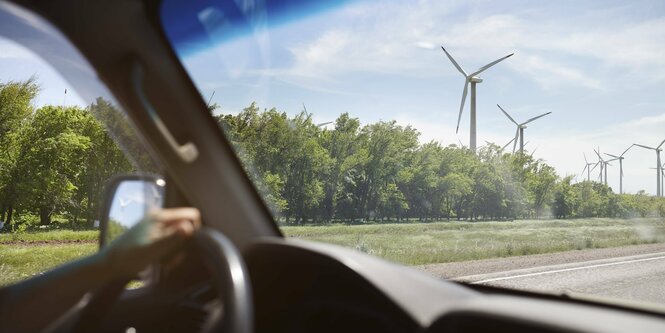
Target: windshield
450 135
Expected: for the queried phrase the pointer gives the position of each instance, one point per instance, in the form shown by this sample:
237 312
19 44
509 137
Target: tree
15 106
52 151
565 199
341 144
102 160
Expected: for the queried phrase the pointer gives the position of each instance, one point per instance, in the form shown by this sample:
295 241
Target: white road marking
567 269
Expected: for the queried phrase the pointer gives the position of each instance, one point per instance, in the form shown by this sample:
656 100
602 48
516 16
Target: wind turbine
658 165
600 174
588 168
472 79
620 158
309 115
519 133
603 166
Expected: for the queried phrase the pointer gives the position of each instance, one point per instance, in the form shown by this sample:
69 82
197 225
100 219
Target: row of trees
380 171
56 160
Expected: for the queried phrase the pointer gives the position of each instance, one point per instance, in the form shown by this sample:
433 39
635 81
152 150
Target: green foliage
380 172
56 160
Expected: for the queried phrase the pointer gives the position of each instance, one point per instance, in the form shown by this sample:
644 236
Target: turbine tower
472 79
519 133
620 158
659 192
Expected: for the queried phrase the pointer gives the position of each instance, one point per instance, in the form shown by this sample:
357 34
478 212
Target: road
634 276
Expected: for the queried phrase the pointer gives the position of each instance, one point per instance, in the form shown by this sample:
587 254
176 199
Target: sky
598 66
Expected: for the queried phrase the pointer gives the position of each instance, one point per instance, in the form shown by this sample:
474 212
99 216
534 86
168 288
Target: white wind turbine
658 165
309 116
603 166
519 133
620 158
588 168
471 79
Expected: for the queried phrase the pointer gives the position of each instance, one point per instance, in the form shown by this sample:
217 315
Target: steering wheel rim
230 277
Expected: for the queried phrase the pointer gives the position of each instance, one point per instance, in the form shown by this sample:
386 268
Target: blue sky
599 66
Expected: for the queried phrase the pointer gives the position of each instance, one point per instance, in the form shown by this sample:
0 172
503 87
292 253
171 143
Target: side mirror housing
127 200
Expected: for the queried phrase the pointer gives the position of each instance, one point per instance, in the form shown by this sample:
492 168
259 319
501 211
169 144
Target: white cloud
392 40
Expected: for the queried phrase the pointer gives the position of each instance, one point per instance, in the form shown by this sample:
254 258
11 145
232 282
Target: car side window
60 146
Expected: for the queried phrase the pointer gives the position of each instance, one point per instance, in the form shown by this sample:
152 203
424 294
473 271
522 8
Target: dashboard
302 286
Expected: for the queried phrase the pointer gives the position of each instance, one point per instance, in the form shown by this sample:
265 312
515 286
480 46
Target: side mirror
127 201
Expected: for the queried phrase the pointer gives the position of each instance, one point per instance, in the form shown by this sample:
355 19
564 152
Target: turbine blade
534 118
599 157
506 145
484 68
585 160
461 107
594 167
585 166
631 146
459 68
615 157
643 146
661 143
507 115
517 134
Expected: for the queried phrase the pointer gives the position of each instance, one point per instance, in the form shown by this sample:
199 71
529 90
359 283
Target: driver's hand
158 235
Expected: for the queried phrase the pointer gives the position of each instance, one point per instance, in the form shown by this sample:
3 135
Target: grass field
23 255
425 243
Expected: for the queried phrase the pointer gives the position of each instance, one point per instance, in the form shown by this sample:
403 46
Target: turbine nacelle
475 79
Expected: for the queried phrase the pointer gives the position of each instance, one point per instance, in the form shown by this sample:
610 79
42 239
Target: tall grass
440 242
26 254
19 262
89 236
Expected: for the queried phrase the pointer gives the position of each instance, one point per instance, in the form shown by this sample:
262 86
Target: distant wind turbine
309 115
588 168
519 133
472 79
620 158
659 166
603 166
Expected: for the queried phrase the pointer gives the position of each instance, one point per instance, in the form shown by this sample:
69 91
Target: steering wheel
228 275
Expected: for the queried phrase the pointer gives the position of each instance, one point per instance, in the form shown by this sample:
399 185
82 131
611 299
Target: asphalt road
638 276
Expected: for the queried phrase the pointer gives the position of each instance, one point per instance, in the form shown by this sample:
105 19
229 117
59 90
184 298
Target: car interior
240 274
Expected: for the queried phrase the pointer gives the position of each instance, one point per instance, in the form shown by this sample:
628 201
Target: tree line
380 171
56 160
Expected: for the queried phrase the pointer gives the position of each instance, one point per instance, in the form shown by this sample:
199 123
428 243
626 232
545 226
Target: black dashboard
303 287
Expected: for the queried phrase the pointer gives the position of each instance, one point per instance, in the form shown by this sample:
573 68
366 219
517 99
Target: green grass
26 254
51 236
440 242
18 262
